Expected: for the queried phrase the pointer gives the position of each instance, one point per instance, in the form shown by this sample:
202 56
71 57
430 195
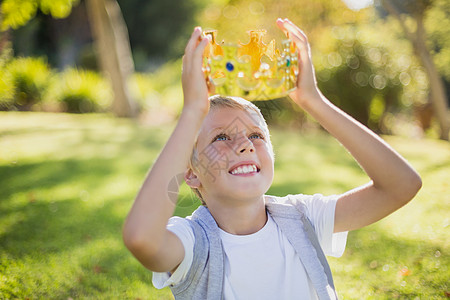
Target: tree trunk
113 52
437 90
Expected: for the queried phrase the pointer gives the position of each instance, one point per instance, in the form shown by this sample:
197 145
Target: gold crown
254 71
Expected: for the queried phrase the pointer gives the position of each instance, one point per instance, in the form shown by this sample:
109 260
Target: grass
68 181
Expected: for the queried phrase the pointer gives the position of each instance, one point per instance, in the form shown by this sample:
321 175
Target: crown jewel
254 71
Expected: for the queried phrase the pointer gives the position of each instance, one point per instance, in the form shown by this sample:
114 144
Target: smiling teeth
244 169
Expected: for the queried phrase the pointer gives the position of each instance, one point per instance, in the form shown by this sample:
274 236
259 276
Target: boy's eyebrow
253 127
215 129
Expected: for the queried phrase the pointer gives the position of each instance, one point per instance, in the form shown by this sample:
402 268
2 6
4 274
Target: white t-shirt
262 265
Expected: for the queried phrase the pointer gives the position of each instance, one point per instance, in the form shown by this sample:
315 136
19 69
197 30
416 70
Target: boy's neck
246 218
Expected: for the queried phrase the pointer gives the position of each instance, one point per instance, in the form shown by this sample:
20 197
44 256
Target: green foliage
437 24
354 73
57 8
160 91
6 90
68 182
29 83
167 24
412 7
368 72
6 86
349 66
80 91
16 13
141 90
25 80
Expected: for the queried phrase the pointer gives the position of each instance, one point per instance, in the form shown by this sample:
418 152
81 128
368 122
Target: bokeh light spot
256 8
230 12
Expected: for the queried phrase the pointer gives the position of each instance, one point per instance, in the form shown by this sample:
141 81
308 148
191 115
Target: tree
418 38
113 52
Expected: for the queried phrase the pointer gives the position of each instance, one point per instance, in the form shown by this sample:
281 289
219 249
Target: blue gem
229 66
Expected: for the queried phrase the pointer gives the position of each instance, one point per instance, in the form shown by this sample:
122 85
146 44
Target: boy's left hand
307 89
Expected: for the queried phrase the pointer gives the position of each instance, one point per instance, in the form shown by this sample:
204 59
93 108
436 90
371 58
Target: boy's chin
247 192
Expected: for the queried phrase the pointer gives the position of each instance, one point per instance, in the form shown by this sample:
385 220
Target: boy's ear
191 179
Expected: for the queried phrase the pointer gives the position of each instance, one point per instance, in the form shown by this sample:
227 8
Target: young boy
243 244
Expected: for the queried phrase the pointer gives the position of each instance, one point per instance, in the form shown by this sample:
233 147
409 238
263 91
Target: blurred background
91 89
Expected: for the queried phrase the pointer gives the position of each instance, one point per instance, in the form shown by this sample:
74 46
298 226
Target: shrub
80 91
363 80
159 91
6 90
142 91
6 87
27 79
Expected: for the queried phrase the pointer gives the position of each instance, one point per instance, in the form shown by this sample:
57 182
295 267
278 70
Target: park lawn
68 181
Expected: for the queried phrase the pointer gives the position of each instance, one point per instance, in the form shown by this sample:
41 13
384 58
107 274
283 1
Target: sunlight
358 4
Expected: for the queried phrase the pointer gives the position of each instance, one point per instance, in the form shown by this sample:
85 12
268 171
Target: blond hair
218 101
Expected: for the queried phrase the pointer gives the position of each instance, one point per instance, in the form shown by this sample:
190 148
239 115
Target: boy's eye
256 135
220 137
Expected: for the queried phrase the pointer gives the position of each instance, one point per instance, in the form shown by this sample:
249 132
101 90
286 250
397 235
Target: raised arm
145 232
393 181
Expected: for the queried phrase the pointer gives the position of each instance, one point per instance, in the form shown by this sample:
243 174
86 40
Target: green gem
288 63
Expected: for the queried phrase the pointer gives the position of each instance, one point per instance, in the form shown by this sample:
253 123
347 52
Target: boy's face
234 158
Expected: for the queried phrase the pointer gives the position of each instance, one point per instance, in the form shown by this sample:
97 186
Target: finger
280 24
198 52
302 46
190 48
288 23
292 29
201 47
297 36
295 31
193 41
211 86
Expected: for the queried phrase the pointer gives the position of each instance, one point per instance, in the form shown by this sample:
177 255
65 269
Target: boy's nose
245 145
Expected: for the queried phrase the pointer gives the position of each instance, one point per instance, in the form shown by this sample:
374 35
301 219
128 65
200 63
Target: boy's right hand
195 88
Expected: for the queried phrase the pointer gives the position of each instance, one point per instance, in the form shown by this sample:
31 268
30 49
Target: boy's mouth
244 168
